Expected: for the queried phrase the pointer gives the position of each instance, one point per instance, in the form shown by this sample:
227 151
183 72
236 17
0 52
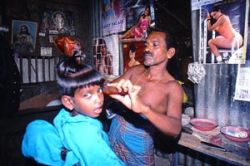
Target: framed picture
132 53
23 36
222 32
56 22
106 51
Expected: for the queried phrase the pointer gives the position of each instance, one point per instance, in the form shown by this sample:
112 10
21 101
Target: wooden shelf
191 142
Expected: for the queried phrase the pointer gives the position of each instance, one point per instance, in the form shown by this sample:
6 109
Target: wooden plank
193 143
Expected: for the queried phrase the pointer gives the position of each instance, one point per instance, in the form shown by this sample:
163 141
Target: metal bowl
236 133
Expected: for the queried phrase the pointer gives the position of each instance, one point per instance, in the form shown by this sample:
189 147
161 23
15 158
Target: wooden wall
38 72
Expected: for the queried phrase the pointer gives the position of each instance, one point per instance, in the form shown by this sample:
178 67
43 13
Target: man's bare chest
154 96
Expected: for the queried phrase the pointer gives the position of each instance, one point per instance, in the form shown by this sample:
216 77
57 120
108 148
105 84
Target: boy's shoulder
64 117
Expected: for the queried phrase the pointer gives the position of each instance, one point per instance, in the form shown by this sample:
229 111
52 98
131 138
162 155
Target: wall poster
113 16
56 22
242 88
106 55
222 27
130 16
23 36
139 18
132 54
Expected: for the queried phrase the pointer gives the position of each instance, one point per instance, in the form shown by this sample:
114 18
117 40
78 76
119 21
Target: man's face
155 49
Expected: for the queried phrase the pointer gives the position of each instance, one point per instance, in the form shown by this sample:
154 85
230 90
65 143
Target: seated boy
77 136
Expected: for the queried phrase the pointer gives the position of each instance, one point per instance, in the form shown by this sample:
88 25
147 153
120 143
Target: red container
203 124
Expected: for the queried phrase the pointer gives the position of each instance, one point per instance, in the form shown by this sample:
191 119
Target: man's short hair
170 42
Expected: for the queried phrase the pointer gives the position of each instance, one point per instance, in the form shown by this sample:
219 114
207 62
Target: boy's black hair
72 75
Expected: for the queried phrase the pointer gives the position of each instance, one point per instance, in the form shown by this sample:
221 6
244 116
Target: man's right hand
129 96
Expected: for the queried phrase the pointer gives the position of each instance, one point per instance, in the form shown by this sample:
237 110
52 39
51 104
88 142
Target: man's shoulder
136 69
173 85
174 88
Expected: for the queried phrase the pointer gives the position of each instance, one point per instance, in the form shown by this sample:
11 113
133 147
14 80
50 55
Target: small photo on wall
132 54
103 57
23 36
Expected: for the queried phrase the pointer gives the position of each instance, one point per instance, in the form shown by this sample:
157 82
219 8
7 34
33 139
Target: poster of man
23 37
223 32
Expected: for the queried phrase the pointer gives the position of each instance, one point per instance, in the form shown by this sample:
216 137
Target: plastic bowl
236 133
203 124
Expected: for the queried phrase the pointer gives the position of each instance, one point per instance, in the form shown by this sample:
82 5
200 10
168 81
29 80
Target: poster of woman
132 53
140 28
106 55
113 16
140 17
223 32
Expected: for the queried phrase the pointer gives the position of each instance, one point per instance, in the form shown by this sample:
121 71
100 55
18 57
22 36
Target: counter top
192 142
40 101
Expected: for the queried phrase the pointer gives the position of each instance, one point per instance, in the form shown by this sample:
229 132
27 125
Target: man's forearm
170 126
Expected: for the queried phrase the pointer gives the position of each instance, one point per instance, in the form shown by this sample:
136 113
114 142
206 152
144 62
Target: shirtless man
228 36
153 100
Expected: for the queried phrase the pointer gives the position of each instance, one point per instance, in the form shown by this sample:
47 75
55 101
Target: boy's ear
67 102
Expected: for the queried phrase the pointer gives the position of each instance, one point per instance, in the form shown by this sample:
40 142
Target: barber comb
111 90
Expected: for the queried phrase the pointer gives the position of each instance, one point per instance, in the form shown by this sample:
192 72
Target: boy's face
89 101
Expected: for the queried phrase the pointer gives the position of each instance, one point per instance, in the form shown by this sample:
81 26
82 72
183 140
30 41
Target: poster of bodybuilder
132 54
222 29
106 55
